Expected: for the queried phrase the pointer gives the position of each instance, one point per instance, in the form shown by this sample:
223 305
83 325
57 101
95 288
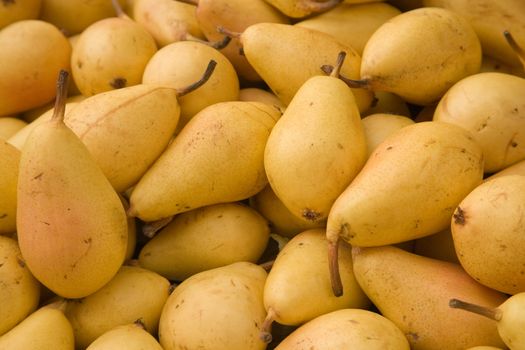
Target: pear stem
140 323
355 84
118 10
492 313
218 45
316 6
171 288
333 265
265 335
61 96
194 86
338 65
520 52
229 33
150 229
267 266
191 2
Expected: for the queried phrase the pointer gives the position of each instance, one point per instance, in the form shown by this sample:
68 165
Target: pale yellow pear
221 308
206 238
303 8
71 224
386 102
222 149
354 329
259 95
9 163
379 126
46 328
129 337
442 45
413 292
316 148
134 293
490 106
13 11
10 126
20 292
284 70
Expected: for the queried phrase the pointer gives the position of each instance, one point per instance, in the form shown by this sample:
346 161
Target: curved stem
61 96
333 265
194 86
265 335
520 52
118 10
314 6
228 32
150 229
353 83
191 2
219 45
340 59
492 313
140 323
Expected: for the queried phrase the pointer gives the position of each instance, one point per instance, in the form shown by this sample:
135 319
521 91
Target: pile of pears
262 174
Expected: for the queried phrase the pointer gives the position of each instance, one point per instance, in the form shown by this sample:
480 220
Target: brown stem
228 32
171 288
140 323
218 45
265 334
333 265
267 266
191 2
520 52
338 65
118 10
355 84
314 6
492 313
61 96
150 229
194 86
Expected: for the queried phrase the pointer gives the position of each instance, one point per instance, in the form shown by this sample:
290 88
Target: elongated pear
316 148
413 292
408 188
216 158
131 337
9 165
72 227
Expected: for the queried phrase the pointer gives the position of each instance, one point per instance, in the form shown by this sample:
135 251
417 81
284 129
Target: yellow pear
9 163
33 52
259 95
222 149
490 106
302 8
386 102
20 292
408 188
13 11
354 329
286 64
379 126
420 54
206 238
129 337
487 231
298 286
71 224
413 292
316 148
221 308
10 126
46 328
134 293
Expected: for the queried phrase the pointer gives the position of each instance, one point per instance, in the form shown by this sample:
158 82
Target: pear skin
9 168
130 337
15 11
10 126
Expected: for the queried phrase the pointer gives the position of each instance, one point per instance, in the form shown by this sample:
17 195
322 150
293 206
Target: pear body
316 148
220 308
347 329
130 337
405 190
279 65
10 126
379 126
9 163
260 95
72 228
440 43
407 288
512 322
389 103
221 150
11 12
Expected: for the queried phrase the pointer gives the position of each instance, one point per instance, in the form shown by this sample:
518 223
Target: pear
388 103
493 115
134 293
285 71
514 169
487 229
317 147
347 329
20 292
508 315
221 148
13 11
379 126
258 95
131 337
405 190
206 238
420 54
302 8
408 288
489 64
10 126
9 163
297 289
46 328
71 224
33 52
221 308
438 246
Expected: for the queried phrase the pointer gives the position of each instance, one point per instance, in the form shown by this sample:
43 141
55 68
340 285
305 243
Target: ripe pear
33 52
20 292
259 95
222 149
9 163
302 8
347 329
10 126
413 292
386 102
46 328
284 70
297 289
490 106
134 293
420 54
408 188
181 63
71 224
131 337
316 148
13 11
221 308
509 317
487 229
379 126
206 238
